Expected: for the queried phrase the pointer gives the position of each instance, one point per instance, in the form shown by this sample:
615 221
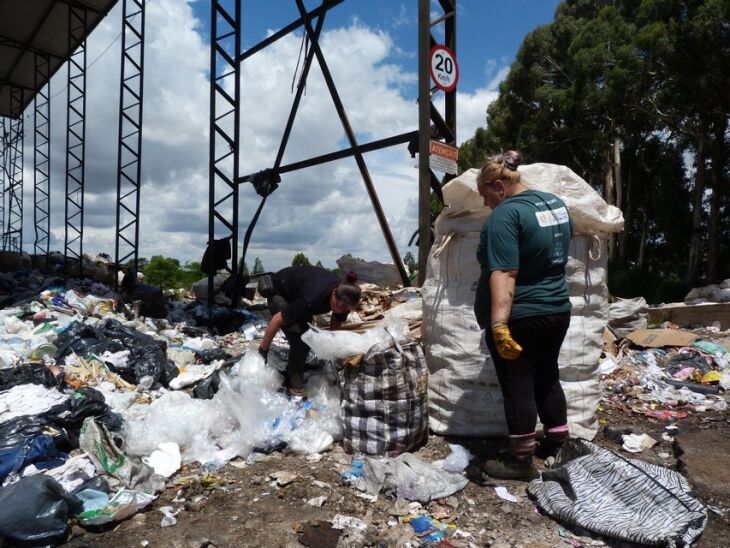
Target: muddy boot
509 468
517 463
554 439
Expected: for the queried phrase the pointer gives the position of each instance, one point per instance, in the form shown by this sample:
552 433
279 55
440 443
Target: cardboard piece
654 338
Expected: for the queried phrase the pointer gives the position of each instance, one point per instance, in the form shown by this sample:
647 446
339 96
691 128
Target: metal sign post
436 63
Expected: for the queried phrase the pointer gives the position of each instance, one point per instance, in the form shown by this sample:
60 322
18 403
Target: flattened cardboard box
655 338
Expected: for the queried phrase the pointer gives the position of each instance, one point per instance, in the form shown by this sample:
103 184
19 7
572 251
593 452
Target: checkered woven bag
384 403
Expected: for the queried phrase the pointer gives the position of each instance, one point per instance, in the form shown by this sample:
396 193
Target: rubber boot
554 439
517 463
295 367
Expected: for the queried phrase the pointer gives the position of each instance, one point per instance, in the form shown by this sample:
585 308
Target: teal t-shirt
529 232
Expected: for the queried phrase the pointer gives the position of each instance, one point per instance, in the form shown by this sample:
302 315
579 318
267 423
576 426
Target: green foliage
141 263
300 259
319 264
162 272
410 261
649 77
167 273
258 267
435 205
189 274
654 287
245 270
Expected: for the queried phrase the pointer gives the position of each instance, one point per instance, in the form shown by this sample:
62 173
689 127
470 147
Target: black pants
531 383
298 349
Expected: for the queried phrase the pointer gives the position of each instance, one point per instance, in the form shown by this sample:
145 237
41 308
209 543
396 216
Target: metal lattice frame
224 128
75 139
266 181
129 152
4 156
42 157
13 236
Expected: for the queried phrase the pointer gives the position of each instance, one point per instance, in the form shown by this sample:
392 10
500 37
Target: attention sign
443 157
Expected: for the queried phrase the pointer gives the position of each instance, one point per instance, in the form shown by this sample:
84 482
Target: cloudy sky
371 50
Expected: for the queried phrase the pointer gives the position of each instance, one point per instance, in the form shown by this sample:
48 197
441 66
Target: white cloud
323 211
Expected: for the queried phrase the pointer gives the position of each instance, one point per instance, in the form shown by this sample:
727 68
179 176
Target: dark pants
531 383
298 350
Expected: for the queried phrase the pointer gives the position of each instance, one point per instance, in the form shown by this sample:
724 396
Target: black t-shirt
307 289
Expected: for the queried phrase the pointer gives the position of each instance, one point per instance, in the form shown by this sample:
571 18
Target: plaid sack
384 403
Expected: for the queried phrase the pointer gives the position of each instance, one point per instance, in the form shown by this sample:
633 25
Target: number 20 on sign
444 69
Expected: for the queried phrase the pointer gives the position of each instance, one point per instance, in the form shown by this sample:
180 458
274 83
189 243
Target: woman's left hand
507 347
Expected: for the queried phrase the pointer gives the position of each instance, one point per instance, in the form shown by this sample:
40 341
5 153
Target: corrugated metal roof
28 27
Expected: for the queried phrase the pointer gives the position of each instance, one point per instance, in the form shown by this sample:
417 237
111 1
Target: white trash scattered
504 494
636 443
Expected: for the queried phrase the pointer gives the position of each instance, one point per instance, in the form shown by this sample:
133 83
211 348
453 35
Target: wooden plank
698 314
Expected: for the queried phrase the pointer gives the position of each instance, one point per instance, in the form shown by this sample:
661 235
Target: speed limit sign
444 70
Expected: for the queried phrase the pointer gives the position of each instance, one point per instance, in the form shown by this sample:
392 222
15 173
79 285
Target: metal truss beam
42 157
364 172
75 139
4 156
225 23
129 151
13 234
321 10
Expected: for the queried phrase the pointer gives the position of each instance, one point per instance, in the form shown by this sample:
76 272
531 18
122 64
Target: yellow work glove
507 347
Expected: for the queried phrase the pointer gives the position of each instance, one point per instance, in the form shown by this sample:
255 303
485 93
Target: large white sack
578 360
590 213
464 396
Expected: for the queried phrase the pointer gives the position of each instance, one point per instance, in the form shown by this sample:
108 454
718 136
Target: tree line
170 273
634 96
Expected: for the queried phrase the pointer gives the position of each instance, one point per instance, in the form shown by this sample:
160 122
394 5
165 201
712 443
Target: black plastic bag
207 356
216 256
16 431
34 511
97 483
84 341
129 337
151 301
87 402
208 387
151 361
33 373
221 321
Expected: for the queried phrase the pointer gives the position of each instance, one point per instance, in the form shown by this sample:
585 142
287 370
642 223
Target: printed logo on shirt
552 217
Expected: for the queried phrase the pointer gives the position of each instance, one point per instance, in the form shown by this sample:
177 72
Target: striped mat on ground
603 492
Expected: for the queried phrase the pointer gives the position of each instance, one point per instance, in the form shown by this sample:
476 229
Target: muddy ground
250 509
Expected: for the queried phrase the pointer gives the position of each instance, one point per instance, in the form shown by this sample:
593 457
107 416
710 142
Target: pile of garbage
714 293
665 373
100 405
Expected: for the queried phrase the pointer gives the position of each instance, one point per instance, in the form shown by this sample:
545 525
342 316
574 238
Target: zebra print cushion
627 499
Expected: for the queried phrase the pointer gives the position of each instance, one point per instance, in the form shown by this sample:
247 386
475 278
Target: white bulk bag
464 395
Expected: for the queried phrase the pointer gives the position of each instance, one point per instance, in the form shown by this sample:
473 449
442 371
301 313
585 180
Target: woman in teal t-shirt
522 302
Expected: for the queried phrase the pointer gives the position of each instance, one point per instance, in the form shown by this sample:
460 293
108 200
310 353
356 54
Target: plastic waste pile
714 293
666 382
99 405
